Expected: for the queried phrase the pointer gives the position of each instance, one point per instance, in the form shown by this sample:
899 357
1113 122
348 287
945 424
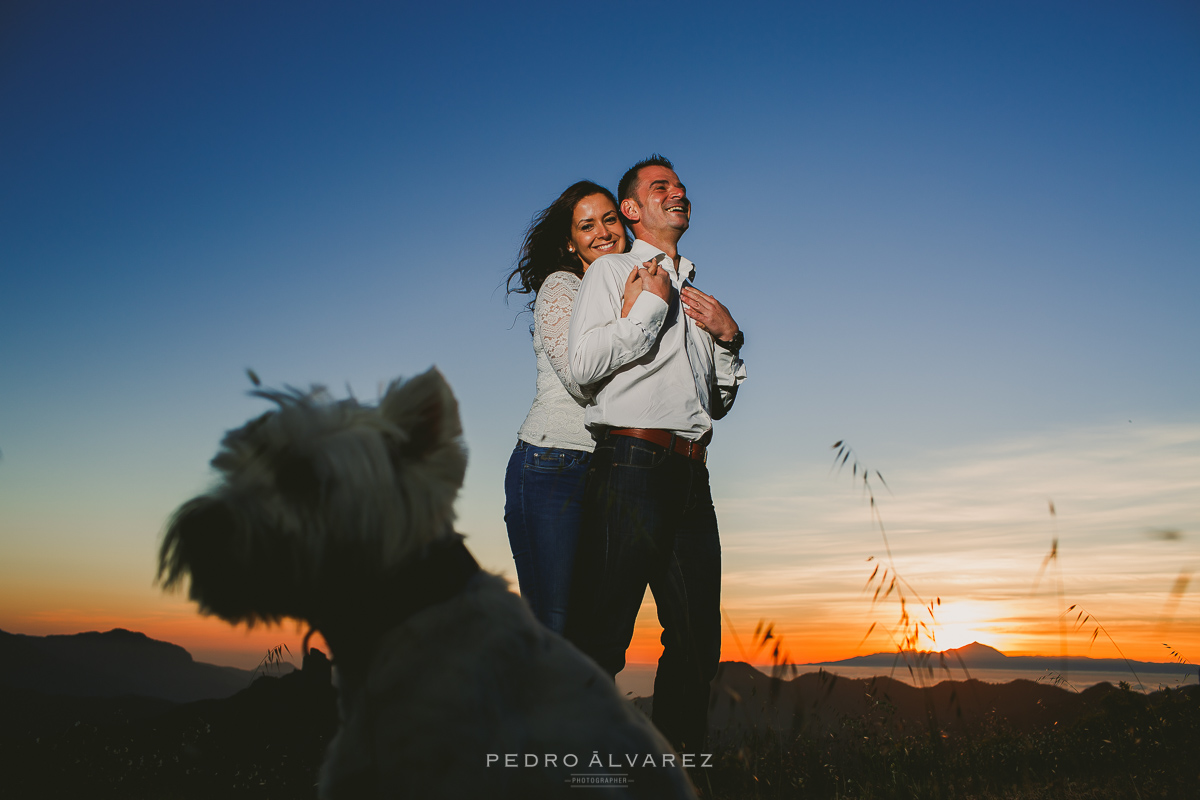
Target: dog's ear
187 533
429 432
198 542
207 540
423 408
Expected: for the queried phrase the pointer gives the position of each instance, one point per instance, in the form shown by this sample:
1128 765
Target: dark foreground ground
812 737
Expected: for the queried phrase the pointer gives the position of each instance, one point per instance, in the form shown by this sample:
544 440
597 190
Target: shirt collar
644 251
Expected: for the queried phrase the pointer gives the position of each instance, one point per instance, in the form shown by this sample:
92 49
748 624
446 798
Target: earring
570 248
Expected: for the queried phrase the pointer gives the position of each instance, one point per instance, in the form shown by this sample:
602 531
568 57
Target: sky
962 238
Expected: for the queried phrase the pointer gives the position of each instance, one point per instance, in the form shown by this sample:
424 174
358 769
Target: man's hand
633 287
655 280
709 314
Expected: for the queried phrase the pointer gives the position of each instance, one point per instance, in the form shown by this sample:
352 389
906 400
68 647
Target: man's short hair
629 180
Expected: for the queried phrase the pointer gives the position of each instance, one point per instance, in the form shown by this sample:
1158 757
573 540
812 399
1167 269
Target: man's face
661 206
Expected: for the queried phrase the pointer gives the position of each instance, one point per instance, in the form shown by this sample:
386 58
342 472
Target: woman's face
596 229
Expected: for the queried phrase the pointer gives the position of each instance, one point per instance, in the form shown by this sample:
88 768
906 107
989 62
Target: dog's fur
341 514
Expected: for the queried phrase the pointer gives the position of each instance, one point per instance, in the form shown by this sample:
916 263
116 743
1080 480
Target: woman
543 486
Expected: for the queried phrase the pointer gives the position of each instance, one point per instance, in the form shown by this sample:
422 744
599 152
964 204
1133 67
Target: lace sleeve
552 321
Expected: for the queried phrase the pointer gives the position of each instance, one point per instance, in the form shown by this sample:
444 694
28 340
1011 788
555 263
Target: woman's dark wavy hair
544 250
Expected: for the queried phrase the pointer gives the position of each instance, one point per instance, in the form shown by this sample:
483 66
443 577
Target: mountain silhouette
982 656
977 653
112 664
265 740
820 703
268 740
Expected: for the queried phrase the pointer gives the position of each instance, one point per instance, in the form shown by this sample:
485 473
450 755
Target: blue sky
963 237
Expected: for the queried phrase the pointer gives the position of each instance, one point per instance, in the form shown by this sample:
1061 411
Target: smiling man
663 373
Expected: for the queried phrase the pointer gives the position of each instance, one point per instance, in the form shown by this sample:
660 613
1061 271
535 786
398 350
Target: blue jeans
543 492
648 520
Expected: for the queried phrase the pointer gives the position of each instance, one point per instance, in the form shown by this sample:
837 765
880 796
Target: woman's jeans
543 492
649 521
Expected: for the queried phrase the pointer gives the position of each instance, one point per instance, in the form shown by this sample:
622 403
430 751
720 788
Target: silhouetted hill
814 735
27 713
112 664
981 656
822 736
265 741
818 703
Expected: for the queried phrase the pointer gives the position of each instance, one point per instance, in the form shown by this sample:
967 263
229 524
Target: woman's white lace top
556 417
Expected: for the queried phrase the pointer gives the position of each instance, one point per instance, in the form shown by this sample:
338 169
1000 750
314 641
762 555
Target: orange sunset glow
1129 583
798 554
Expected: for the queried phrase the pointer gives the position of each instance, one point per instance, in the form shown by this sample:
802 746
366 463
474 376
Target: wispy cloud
974 525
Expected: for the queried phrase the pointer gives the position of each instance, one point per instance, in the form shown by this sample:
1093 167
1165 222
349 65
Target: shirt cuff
650 312
729 369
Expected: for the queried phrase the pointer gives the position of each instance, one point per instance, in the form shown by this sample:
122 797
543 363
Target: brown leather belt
671 441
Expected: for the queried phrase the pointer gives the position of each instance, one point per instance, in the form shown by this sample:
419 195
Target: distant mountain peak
975 650
974 654
112 663
123 639
126 633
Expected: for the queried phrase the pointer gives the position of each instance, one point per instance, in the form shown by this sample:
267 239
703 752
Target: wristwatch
734 345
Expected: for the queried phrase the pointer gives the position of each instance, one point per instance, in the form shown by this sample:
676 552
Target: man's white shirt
654 368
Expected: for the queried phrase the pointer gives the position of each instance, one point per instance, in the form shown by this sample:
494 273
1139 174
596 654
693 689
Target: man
663 372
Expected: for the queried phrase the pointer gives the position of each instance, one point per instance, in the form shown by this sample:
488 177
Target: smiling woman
596 230
543 485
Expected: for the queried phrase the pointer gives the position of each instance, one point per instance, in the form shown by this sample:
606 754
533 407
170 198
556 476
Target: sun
960 622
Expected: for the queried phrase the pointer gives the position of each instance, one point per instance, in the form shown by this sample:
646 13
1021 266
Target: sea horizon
637 680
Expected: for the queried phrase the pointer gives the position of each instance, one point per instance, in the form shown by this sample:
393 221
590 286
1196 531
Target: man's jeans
543 493
648 519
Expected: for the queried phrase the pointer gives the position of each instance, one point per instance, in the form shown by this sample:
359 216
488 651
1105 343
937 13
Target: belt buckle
682 446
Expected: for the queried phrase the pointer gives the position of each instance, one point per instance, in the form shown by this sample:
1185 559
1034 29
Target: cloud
974 525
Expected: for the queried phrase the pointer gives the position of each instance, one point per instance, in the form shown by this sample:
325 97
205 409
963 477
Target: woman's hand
633 287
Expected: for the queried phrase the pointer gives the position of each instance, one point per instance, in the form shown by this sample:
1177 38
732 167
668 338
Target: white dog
341 514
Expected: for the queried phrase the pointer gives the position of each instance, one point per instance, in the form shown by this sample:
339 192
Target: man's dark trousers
648 519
